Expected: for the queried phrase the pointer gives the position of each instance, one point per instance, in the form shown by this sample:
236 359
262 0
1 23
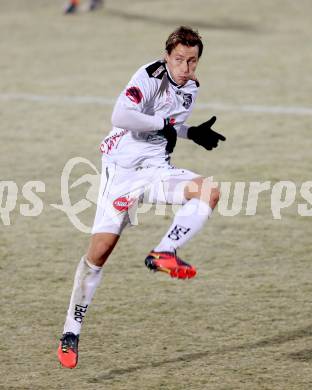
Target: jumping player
147 118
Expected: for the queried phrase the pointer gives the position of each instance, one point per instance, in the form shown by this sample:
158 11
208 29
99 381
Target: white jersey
150 97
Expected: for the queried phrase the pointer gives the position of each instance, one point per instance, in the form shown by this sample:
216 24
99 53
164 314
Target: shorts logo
177 232
123 203
134 94
187 100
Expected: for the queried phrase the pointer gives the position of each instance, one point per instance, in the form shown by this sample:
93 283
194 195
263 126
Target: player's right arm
128 112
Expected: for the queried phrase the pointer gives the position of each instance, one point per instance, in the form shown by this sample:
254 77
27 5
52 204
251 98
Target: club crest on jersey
123 203
134 94
187 100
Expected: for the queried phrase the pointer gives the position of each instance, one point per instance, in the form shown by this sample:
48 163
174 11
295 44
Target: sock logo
80 311
177 232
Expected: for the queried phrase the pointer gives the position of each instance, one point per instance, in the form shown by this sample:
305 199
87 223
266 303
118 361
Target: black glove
170 133
203 134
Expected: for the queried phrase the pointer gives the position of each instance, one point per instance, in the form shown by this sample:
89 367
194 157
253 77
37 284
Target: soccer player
73 5
147 118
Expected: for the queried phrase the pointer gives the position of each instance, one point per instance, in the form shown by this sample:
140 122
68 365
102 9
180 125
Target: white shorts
123 189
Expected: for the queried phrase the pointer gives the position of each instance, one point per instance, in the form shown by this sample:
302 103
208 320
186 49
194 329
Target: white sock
87 278
189 220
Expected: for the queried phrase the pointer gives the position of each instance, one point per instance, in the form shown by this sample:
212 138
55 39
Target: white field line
103 101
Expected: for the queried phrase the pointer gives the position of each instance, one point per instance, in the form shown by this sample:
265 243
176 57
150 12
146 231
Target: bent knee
215 195
203 189
210 194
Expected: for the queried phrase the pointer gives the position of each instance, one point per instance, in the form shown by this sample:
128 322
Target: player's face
182 63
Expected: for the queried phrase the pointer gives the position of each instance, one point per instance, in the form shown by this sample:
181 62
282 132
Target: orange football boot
170 263
68 350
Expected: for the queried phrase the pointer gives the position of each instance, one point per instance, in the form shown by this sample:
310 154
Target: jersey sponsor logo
123 203
111 142
134 94
153 138
177 232
187 100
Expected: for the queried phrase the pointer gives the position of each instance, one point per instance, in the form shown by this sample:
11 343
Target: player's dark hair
187 37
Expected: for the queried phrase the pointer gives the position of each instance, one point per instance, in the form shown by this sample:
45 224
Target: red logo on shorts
134 94
123 203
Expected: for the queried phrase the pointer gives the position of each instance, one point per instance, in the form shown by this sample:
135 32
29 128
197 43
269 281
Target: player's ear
166 56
